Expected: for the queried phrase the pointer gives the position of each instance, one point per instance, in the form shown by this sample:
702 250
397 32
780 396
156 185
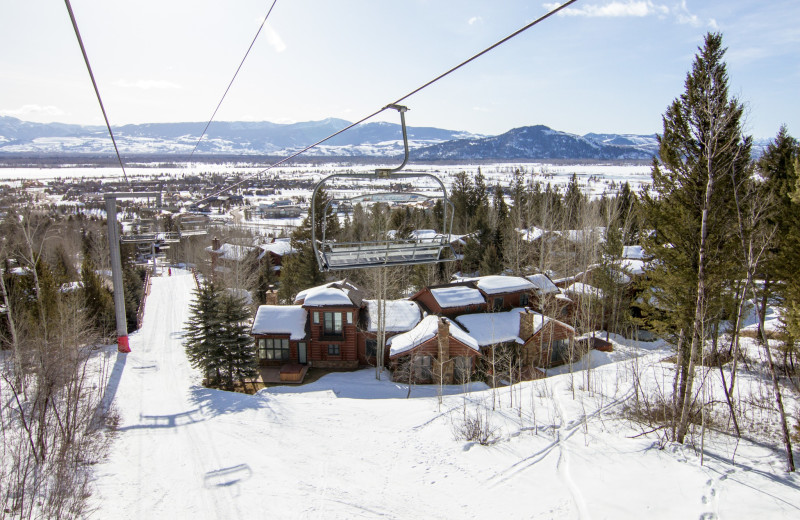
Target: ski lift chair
391 250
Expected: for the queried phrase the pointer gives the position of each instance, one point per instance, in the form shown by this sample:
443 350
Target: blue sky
603 66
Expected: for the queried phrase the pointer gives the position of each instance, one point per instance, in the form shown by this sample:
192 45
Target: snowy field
350 446
594 178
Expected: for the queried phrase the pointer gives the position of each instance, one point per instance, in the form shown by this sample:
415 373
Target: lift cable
96 90
392 104
232 79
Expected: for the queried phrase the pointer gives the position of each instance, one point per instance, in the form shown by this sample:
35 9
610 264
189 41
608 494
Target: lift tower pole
116 260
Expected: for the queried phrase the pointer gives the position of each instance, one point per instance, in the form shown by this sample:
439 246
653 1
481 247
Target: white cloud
28 110
474 20
275 40
635 8
147 84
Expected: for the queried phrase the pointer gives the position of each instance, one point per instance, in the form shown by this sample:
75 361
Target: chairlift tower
116 260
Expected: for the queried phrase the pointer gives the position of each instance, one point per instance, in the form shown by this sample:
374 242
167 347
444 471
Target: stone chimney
526 324
215 244
442 367
271 297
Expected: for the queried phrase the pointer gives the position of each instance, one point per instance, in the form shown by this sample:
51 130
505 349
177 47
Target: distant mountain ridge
367 140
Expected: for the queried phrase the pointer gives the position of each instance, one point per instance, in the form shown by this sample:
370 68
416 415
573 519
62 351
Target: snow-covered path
349 446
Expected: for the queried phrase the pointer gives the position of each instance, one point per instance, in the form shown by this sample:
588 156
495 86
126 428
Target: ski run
351 446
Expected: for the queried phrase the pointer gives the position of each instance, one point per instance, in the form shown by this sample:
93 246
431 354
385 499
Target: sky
606 66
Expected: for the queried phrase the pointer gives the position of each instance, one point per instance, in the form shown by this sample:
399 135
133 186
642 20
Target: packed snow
351 446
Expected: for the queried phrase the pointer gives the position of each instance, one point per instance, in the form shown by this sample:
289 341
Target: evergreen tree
97 299
203 333
704 155
780 269
491 263
239 351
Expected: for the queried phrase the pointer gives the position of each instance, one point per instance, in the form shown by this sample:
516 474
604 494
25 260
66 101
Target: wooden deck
286 374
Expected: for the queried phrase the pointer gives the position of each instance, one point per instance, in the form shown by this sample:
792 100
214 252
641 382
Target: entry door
302 356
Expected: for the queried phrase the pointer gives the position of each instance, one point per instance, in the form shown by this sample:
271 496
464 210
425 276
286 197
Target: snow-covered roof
333 293
281 319
633 252
424 331
401 315
232 252
578 236
532 234
584 289
280 247
457 296
496 284
633 266
490 328
543 284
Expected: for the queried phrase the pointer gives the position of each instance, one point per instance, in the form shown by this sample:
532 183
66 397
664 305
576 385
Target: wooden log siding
511 299
538 350
318 345
431 348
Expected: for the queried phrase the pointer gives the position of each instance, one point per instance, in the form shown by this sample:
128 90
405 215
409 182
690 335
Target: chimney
215 245
442 368
526 325
271 297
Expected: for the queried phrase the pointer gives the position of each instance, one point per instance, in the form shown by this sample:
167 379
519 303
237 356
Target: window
372 348
316 318
422 368
333 324
497 303
523 300
273 348
350 318
333 349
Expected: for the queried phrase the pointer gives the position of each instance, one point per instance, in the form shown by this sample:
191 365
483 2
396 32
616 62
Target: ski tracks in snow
563 433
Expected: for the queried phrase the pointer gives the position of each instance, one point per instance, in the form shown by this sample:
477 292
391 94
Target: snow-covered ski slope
349 446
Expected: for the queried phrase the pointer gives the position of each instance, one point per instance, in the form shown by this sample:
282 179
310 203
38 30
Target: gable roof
426 330
281 319
491 328
341 293
543 283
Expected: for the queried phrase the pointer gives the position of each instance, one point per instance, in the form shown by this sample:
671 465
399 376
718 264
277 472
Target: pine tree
203 333
239 351
97 299
690 208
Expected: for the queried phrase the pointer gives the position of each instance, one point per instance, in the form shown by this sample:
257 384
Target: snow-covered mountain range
367 140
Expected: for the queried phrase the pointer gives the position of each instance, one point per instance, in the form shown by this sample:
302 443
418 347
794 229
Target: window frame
334 349
329 324
274 349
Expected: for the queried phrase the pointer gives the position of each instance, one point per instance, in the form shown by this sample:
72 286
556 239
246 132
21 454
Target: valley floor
350 446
